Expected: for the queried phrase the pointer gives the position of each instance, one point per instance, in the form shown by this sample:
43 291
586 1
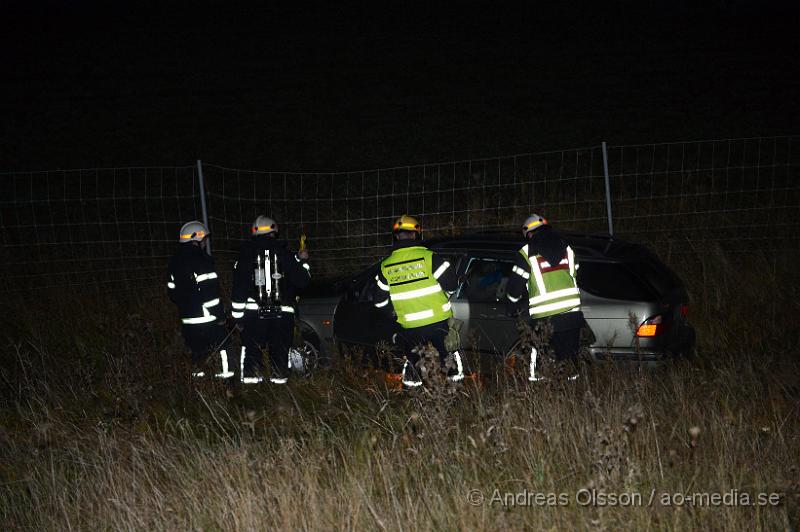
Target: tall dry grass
101 429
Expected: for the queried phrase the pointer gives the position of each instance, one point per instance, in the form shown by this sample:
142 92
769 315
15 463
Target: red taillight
326 323
684 310
651 327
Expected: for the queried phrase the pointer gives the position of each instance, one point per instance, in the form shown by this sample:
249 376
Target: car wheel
304 358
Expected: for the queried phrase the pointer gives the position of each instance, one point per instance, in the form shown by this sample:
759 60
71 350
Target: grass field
102 429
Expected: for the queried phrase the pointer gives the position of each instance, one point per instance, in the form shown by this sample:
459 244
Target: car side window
613 280
486 280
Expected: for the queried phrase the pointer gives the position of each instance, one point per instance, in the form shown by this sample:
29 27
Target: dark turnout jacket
296 275
193 285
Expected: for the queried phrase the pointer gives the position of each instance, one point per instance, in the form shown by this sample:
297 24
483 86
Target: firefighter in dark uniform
415 283
266 280
545 276
193 286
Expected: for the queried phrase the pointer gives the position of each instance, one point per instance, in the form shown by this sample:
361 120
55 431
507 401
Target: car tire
305 358
310 349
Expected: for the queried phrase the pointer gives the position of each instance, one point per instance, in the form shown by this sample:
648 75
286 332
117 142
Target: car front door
350 313
482 304
357 321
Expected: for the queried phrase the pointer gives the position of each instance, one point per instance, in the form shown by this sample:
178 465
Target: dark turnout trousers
564 344
202 339
410 340
276 335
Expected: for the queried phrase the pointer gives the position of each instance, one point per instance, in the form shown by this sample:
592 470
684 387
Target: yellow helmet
407 223
533 222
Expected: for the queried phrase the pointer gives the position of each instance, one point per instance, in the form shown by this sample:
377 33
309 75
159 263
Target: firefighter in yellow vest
545 275
416 284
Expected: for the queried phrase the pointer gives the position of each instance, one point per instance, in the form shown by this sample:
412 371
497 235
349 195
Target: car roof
595 246
585 245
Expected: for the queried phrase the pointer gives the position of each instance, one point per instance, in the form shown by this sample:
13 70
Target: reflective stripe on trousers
459 376
225 373
407 380
532 376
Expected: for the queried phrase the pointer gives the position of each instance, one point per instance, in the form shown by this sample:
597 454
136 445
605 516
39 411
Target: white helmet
533 222
264 225
193 231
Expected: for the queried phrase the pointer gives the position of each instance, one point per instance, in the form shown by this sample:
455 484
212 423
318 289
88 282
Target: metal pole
608 189
203 199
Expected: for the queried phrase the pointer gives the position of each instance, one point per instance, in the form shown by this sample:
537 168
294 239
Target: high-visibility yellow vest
552 288
416 295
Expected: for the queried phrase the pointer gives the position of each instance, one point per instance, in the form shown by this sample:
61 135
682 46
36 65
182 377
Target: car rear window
657 275
613 280
647 266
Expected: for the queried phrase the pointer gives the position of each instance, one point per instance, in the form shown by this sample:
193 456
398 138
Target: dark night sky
335 89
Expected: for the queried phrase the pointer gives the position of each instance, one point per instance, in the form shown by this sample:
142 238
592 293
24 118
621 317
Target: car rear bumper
684 346
630 355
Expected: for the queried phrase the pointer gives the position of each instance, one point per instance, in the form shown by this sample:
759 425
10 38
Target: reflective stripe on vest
415 293
552 287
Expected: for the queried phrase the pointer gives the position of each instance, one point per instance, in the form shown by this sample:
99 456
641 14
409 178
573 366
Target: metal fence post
203 200
608 189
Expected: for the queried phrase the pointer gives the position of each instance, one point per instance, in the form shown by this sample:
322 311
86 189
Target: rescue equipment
266 277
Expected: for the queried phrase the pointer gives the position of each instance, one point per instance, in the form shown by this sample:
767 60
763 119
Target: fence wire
347 217
739 195
115 228
108 229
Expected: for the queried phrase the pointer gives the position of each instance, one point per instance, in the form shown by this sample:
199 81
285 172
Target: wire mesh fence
348 216
113 229
105 228
739 195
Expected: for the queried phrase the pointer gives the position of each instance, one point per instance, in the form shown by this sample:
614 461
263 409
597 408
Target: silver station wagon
635 306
